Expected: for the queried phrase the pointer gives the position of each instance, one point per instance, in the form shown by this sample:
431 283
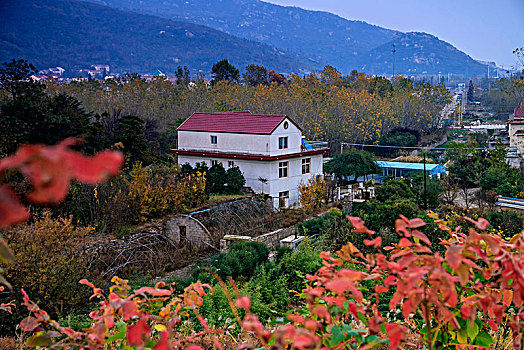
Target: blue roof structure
430 168
306 145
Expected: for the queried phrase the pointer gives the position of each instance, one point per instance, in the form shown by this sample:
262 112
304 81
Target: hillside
76 35
322 37
419 53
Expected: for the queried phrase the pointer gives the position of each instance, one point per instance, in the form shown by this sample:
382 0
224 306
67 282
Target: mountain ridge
76 34
322 37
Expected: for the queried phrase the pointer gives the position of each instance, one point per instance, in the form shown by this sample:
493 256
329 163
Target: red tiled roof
519 112
239 122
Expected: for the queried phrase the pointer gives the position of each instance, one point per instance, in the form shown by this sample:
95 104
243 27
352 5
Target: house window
183 234
283 199
282 142
306 165
230 164
282 169
214 162
213 139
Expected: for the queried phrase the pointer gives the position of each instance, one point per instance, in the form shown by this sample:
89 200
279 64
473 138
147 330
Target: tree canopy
223 70
352 163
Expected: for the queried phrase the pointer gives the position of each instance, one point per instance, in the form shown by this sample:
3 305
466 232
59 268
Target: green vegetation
352 163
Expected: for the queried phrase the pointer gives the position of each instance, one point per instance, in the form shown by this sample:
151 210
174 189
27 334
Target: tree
256 75
132 135
223 70
235 180
274 77
352 163
182 76
216 179
471 92
15 78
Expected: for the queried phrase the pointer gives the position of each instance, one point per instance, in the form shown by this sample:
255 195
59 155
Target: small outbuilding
397 170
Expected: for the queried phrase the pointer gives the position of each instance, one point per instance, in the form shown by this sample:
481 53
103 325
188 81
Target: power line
400 147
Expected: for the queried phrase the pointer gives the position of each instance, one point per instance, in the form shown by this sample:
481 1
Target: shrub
394 189
241 260
509 222
48 264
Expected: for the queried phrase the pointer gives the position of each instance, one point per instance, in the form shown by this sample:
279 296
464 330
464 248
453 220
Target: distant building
268 149
516 130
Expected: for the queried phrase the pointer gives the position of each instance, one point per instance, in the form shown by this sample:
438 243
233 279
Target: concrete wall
270 239
196 236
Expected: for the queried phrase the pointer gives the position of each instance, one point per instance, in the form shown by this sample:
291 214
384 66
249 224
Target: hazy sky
487 30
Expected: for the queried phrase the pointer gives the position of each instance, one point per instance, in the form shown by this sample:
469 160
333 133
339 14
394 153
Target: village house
516 131
269 150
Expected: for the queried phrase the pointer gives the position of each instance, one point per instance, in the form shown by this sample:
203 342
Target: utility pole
394 50
425 186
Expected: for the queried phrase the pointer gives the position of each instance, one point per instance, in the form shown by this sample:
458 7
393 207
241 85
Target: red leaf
50 168
129 309
377 242
193 347
381 289
454 256
153 291
421 236
416 223
28 324
96 169
338 285
394 335
162 344
138 333
243 302
11 209
303 341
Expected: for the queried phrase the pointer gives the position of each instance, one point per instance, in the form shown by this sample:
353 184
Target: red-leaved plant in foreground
446 302
50 170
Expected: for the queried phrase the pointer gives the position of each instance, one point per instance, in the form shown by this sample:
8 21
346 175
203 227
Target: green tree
132 131
223 70
352 163
15 78
182 76
216 179
235 180
256 75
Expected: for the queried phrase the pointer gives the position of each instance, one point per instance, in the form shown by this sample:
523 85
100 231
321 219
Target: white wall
293 134
516 140
253 169
243 143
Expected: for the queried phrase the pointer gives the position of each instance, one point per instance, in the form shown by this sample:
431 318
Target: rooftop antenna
394 50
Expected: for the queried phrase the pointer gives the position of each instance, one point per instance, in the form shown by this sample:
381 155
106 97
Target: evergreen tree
223 70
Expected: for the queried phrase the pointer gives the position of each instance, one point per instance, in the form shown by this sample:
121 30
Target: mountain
321 37
419 53
75 35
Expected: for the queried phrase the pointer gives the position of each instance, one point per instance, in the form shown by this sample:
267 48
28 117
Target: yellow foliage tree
312 194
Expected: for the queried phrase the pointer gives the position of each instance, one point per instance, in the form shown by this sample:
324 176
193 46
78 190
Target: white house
267 147
516 130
